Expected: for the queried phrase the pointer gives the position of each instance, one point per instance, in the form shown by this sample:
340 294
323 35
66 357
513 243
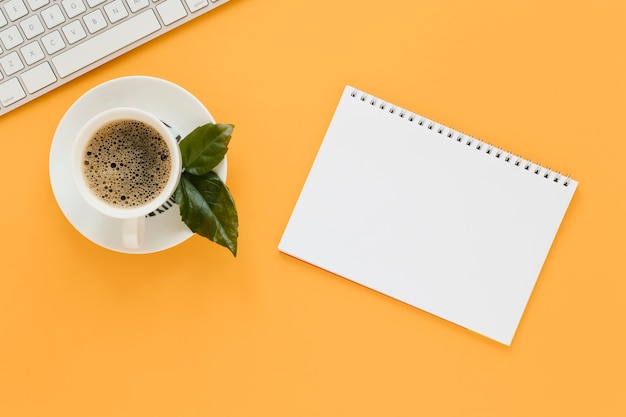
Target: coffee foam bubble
126 163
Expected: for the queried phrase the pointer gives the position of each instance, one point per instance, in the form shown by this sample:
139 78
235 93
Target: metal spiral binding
477 144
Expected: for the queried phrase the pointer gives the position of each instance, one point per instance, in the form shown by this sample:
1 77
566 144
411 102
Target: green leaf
205 147
208 209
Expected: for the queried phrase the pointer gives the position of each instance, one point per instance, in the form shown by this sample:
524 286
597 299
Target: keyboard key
74 31
38 77
37 4
136 5
11 37
11 63
95 21
3 20
171 11
94 3
32 53
73 7
53 42
106 43
10 92
53 16
195 5
15 9
115 11
32 26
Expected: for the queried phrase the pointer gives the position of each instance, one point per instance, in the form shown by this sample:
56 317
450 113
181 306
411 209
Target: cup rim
84 135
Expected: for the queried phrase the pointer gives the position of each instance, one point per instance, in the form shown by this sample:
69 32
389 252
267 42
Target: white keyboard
46 43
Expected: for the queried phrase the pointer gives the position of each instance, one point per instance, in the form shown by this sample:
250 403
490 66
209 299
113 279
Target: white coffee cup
107 172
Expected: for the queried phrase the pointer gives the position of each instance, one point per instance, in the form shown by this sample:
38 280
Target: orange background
192 331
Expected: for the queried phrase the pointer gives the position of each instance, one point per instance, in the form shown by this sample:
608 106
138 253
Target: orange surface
192 331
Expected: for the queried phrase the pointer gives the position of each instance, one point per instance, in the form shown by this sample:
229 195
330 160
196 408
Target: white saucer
175 106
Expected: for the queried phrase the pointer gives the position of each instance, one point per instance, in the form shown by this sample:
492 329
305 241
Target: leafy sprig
206 204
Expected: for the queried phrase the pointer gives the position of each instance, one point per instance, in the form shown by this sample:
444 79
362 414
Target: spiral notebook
427 215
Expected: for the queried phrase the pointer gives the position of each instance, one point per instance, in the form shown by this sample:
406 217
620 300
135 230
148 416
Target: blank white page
427 215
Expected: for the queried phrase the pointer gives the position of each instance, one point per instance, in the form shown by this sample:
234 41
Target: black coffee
126 163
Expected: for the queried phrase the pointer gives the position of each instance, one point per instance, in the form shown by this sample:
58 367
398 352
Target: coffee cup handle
132 232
